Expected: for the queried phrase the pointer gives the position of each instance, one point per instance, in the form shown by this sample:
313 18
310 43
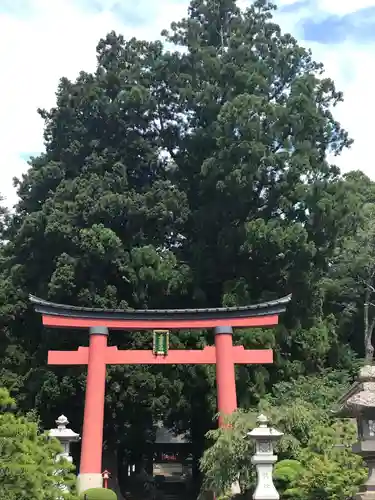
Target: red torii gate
98 355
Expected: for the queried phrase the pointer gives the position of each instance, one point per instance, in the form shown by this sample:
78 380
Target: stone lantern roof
360 397
359 403
62 433
263 431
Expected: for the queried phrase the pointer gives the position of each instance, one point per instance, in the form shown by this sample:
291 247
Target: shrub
28 466
98 494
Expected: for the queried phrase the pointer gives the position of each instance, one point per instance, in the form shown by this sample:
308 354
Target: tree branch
367 285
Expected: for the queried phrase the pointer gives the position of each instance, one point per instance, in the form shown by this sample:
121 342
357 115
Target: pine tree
28 467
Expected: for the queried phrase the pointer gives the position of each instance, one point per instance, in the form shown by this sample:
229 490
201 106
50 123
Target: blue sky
42 40
328 28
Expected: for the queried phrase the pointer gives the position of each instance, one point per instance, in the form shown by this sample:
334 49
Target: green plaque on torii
160 342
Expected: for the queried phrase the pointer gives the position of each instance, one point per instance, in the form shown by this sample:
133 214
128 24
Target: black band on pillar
98 330
223 329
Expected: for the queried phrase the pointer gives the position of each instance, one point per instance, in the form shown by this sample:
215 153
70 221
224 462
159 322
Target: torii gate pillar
93 420
225 372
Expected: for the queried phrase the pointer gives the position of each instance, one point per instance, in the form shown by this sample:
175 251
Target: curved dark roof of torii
272 307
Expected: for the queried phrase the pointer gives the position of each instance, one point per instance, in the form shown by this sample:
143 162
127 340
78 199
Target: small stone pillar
359 403
264 459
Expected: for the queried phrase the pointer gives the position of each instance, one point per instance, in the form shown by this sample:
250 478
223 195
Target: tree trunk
110 463
368 329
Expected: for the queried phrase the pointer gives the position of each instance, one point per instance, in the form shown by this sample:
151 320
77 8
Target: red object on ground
105 475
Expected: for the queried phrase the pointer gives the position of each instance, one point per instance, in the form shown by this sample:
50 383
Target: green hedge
98 494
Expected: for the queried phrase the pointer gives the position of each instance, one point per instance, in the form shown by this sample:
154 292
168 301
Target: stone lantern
264 459
65 436
359 403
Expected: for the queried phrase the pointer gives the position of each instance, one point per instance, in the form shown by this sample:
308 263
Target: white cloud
342 7
339 7
58 38
350 65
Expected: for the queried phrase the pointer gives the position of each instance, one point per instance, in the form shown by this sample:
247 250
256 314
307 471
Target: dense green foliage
190 177
28 466
315 460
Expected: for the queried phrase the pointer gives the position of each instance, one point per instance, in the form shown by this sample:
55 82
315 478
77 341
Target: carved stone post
264 459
